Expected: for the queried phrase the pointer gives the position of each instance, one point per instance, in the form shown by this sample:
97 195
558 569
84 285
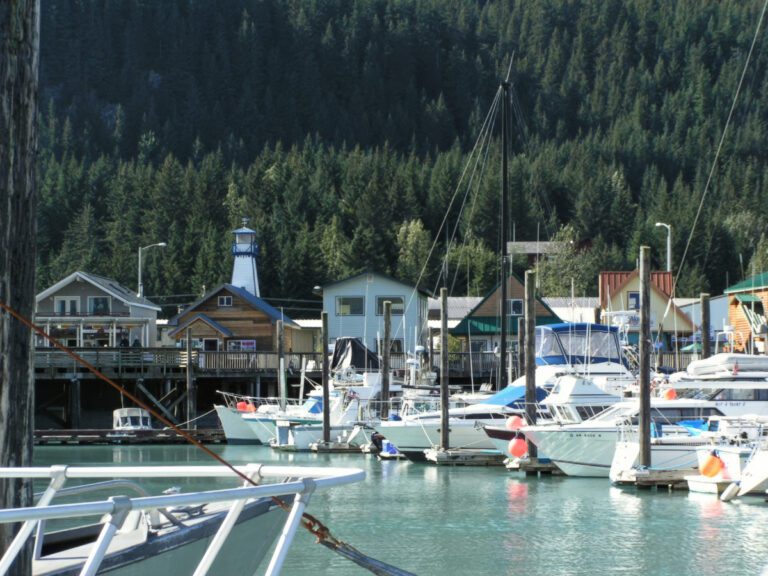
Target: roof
534 247
458 306
747 298
366 272
758 282
226 332
256 302
108 285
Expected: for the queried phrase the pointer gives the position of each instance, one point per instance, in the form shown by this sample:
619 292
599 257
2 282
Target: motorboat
130 423
235 407
225 531
414 433
572 399
587 448
590 351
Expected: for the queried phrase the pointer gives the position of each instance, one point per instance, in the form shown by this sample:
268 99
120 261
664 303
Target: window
241 345
515 307
98 305
225 300
350 306
633 300
397 305
478 345
67 305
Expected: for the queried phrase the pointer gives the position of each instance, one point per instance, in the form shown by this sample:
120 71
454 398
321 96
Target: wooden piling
645 357
706 345
530 355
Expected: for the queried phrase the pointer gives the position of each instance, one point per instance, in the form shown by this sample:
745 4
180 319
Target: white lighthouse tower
245 250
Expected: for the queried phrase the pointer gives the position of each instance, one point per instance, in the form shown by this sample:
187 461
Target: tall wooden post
530 354
326 393
504 235
645 356
191 391
444 431
706 344
385 360
20 39
281 367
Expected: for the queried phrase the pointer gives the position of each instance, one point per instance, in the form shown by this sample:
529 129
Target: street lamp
140 294
669 244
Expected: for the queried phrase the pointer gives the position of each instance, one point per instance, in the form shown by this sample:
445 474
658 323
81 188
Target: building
87 310
619 294
575 310
746 313
232 319
355 307
481 327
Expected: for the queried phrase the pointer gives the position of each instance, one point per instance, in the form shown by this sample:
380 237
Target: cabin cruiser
573 399
416 432
706 388
590 351
225 531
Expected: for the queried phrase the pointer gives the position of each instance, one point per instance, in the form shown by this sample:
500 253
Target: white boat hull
236 430
412 438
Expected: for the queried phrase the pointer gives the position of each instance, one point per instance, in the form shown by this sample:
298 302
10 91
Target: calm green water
446 521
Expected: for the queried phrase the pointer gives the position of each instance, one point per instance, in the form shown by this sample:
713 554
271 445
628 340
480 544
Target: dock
335 447
110 436
464 457
533 466
651 478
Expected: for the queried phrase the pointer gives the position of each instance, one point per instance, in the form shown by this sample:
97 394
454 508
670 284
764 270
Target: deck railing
129 361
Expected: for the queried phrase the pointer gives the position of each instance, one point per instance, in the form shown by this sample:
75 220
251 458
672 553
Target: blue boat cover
513 397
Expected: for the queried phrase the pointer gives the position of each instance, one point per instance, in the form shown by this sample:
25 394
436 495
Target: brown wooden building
231 319
747 301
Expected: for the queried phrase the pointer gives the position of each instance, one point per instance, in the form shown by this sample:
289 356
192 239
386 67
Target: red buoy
515 423
518 447
242 406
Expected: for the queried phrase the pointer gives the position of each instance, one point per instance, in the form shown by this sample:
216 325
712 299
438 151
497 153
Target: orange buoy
242 406
669 394
250 408
518 447
515 423
712 466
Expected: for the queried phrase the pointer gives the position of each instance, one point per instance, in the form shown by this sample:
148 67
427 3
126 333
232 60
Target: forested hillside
341 129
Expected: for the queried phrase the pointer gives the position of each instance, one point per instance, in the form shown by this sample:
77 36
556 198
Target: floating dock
464 457
533 466
110 436
650 478
335 447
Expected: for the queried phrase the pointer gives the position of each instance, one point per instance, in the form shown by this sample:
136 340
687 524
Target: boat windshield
577 346
617 411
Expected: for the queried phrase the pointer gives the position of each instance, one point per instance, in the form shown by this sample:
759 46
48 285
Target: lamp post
140 293
669 244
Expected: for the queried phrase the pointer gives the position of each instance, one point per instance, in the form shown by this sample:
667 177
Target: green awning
747 298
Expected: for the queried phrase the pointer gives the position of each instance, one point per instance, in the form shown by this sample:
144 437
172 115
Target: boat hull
236 430
412 438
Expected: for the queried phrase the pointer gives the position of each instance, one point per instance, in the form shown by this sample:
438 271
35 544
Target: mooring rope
312 524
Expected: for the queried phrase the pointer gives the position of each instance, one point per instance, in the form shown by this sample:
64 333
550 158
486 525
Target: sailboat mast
504 233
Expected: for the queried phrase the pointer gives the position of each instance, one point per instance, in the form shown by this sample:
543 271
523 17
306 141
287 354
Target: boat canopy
513 397
578 343
351 352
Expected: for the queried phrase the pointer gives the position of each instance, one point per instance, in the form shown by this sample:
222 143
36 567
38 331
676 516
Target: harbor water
478 521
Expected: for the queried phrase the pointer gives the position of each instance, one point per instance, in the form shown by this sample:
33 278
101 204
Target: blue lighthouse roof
243 230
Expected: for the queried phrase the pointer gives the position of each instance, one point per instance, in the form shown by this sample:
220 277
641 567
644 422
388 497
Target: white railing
301 482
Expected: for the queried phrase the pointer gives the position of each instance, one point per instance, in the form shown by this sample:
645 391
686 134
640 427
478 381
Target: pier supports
74 411
191 391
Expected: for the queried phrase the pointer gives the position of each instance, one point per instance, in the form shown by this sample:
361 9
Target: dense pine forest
342 128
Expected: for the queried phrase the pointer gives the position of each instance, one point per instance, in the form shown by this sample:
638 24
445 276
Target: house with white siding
355 308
